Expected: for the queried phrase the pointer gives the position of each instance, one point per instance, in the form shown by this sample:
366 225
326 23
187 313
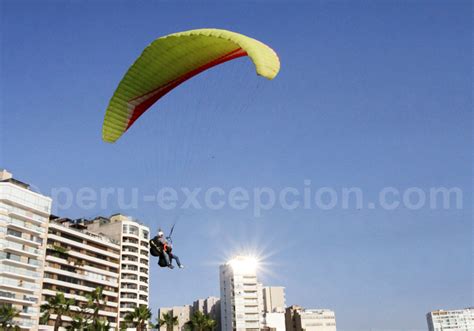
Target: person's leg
178 262
167 258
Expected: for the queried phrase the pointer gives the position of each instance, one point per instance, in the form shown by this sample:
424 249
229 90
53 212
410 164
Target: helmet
160 233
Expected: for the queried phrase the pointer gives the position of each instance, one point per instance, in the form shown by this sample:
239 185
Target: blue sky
370 94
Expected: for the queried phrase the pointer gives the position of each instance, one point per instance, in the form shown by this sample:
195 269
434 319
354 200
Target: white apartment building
24 217
451 320
299 319
241 295
77 262
134 260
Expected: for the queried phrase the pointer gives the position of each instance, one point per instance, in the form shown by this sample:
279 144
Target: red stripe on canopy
139 109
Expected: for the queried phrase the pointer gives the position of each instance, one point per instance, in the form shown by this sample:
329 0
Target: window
13 257
14 233
133 230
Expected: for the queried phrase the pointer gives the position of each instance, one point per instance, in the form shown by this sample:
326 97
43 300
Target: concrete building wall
183 314
241 304
299 319
273 299
134 259
209 306
458 320
77 262
24 217
273 313
274 321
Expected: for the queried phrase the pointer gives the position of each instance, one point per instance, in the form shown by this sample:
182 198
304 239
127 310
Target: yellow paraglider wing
170 60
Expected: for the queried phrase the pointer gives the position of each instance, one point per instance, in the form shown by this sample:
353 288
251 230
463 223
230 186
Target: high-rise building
299 319
241 295
273 308
454 320
77 262
134 260
182 313
24 217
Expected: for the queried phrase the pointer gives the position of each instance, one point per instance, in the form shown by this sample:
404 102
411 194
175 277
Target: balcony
25 226
129 305
16 260
16 247
15 298
18 237
30 310
80 245
130 241
24 323
18 284
20 272
83 268
128 249
27 216
129 278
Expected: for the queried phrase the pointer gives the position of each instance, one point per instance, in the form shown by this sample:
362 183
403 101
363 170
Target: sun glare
244 264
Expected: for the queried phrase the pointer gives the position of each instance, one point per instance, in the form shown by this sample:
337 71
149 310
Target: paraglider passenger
165 249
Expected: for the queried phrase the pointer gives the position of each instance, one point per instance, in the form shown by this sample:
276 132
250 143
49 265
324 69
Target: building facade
273 308
241 295
182 313
77 262
24 217
453 320
211 306
274 322
299 319
133 239
273 299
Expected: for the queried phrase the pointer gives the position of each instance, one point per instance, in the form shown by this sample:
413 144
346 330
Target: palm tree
57 305
100 325
7 314
169 321
79 322
210 324
139 317
95 300
200 322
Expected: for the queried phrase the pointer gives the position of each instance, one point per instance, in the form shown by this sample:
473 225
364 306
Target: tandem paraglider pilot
161 247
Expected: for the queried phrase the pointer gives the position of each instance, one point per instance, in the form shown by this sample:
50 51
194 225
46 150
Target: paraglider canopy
169 61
